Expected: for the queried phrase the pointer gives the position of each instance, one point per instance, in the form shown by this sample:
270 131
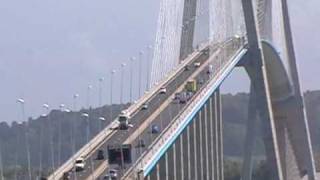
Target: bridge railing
148 159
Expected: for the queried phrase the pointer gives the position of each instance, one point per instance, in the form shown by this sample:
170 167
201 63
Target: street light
140 71
73 137
75 97
88 95
86 116
149 59
22 103
62 109
47 108
101 79
131 78
121 83
111 93
102 118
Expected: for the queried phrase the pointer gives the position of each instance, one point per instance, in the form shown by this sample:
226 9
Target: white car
145 106
80 164
163 90
197 64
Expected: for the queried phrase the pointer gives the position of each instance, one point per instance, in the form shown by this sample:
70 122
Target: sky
52 49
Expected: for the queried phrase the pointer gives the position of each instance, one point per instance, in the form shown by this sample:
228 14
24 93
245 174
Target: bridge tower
191 145
287 137
275 99
188 22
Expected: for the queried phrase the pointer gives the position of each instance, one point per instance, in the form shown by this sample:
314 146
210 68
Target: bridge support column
186 160
302 140
198 146
167 167
212 138
206 109
171 162
214 149
163 167
257 73
250 137
219 134
201 144
181 158
178 151
193 149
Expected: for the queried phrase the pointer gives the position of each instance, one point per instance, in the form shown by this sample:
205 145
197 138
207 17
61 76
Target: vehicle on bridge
191 86
197 64
163 90
187 68
100 155
80 164
155 129
120 154
124 122
145 106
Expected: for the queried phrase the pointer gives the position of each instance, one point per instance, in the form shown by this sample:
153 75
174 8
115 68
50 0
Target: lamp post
86 116
149 59
88 134
140 71
22 104
47 108
123 65
101 79
111 93
131 78
89 88
62 109
73 137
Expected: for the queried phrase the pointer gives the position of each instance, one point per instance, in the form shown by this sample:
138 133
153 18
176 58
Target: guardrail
149 158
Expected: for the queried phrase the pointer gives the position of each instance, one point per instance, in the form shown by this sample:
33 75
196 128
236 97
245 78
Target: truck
123 121
191 86
120 154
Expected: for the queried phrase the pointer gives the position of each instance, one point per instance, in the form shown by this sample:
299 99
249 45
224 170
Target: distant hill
60 125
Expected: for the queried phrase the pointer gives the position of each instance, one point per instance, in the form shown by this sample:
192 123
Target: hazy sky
51 49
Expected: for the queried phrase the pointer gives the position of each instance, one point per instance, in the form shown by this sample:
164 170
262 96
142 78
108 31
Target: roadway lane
167 113
141 116
138 118
162 120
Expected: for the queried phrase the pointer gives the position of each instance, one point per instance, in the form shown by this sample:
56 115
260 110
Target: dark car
187 68
66 176
155 129
100 155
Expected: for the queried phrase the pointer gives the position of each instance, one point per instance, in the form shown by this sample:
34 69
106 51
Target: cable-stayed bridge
174 131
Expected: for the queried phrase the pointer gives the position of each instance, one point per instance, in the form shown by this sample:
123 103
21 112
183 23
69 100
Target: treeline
57 128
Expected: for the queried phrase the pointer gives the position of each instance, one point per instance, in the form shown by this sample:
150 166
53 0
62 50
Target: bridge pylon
278 101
